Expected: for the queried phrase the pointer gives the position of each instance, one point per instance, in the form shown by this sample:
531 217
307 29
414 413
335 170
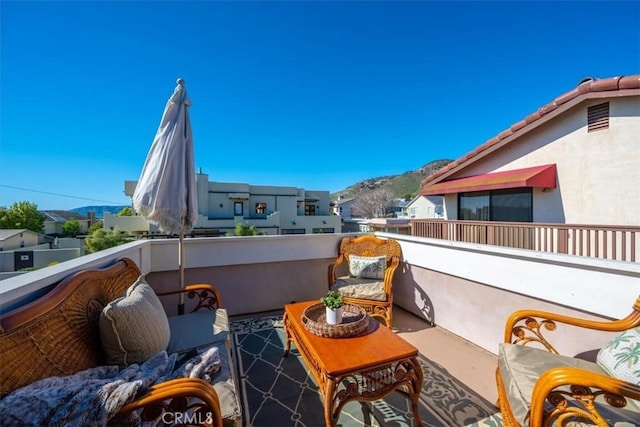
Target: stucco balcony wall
466 289
253 274
471 289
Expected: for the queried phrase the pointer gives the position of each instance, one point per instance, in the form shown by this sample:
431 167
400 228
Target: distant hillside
407 183
99 210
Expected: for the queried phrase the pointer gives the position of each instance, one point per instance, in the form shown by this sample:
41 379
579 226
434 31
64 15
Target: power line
60 195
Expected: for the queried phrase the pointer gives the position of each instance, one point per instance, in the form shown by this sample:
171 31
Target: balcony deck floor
472 365
469 363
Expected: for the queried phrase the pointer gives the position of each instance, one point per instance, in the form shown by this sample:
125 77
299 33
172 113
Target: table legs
403 376
287 334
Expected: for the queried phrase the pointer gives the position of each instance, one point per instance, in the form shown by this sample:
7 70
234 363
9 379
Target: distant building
18 238
271 209
387 225
397 208
25 249
423 207
54 221
343 207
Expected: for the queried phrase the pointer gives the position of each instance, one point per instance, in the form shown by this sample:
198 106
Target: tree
246 229
102 239
22 215
71 228
372 203
95 226
126 211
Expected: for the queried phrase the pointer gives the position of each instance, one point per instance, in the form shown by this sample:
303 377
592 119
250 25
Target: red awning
538 177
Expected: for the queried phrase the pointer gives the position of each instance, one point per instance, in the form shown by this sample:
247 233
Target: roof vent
586 79
598 117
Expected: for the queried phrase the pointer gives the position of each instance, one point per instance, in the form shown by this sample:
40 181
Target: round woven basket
354 321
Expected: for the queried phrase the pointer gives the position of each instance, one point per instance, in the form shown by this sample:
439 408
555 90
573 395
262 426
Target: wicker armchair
372 292
539 387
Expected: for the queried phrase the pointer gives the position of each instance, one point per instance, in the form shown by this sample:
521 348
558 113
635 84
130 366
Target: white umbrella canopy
166 192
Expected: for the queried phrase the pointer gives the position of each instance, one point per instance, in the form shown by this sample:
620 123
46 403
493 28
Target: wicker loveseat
58 335
539 387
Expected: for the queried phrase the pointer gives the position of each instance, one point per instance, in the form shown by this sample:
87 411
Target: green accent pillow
368 267
620 357
134 327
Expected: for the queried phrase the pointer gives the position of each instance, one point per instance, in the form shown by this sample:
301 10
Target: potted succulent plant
333 304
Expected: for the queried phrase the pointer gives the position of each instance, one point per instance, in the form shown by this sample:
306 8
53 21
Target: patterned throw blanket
94 396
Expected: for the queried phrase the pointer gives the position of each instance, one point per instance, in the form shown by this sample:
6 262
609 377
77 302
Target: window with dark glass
323 230
509 205
261 208
310 210
292 231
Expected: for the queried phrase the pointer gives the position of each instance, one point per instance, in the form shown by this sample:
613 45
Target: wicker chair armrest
391 267
208 296
173 397
526 326
332 269
582 386
388 274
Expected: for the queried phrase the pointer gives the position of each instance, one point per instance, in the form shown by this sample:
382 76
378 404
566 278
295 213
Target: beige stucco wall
598 172
425 207
129 224
24 239
471 289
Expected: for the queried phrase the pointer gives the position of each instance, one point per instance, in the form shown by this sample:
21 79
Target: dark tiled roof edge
586 86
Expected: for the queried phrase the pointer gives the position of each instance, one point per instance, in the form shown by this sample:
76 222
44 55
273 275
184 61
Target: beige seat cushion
356 287
199 330
194 330
224 384
134 327
521 367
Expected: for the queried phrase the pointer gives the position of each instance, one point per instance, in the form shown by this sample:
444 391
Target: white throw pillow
369 267
134 327
620 357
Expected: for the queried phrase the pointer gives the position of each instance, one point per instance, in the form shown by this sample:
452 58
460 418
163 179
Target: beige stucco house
26 249
54 221
11 239
575 160
272 209
423 207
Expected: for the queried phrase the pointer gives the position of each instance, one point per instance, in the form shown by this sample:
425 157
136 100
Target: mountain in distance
99 210
401 185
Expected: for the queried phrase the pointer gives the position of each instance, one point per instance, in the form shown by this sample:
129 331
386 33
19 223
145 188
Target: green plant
102 239
332 300
246 229
22 215
71 228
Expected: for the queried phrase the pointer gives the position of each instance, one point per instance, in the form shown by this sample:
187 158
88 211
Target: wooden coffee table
369 366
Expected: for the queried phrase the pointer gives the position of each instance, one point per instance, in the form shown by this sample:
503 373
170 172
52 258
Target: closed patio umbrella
166 190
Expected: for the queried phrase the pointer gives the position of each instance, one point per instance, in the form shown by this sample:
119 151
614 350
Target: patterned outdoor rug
278 391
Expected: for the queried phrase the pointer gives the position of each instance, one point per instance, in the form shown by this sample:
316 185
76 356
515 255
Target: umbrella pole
181 271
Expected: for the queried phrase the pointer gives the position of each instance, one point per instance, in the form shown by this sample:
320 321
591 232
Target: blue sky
311 94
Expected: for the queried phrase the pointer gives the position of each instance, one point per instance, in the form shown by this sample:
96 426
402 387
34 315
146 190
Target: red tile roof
588 88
